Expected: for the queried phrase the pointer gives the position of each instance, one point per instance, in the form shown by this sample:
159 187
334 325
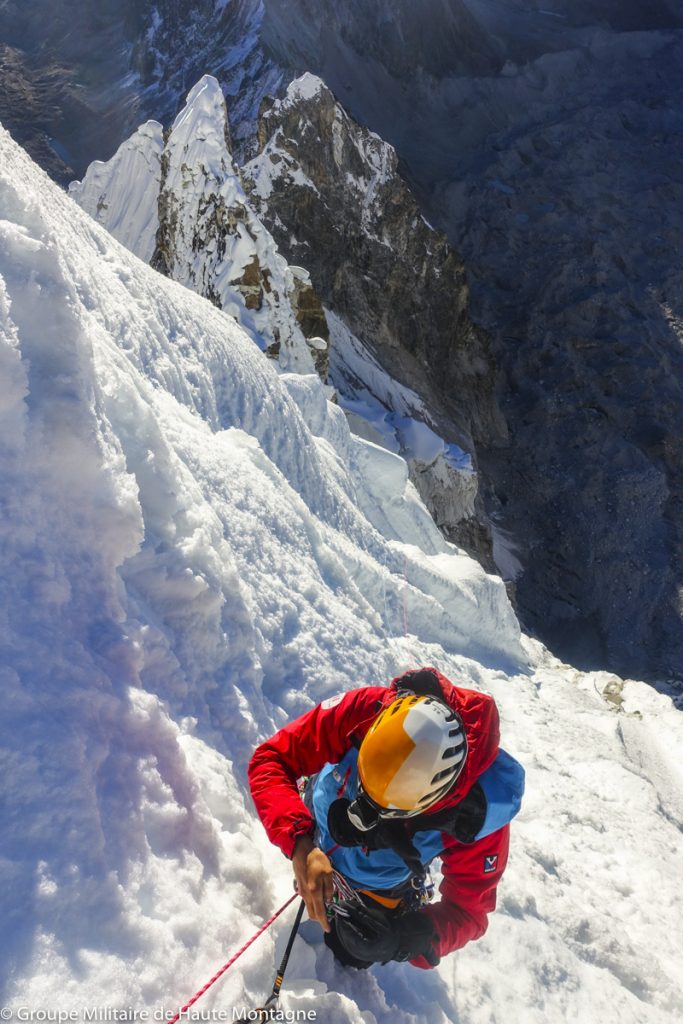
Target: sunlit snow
195 548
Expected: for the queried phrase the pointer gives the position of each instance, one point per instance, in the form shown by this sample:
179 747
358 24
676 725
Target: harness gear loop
417 893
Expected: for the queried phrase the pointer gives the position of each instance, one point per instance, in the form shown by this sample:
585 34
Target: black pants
335 941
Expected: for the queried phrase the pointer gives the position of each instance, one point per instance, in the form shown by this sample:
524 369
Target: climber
396 776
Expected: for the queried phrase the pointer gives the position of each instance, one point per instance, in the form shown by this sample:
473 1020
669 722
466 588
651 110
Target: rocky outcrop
30 102
331 193
571 229
310 316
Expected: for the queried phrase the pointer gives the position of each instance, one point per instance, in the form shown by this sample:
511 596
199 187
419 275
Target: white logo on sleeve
331 702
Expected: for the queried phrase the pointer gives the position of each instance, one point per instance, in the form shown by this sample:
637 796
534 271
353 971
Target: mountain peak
206 91
129 210
179 203
306 87
203 124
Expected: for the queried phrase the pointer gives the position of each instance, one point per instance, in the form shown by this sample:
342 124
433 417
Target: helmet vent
451 752
447 772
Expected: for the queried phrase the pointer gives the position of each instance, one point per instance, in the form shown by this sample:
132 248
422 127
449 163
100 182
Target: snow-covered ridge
130 212
209 553
381 410
186 199
180 204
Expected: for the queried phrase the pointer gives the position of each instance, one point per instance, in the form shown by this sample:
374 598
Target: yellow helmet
411 755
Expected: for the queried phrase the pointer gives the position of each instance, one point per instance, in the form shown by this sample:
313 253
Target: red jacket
324 734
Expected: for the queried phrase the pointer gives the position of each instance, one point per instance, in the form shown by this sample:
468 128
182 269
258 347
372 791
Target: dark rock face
444 37
46 111
310 316
352 221
127 60
571 235
335 203
557 174
432 78
435 34
386 60
30 106
77 55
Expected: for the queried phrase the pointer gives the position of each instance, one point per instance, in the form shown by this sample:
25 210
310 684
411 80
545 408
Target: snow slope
194 548
380 409
131 213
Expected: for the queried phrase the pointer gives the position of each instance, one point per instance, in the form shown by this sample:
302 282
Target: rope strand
231 961
219 974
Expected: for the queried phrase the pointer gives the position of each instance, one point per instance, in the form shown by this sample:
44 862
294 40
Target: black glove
371 933
367 933
416 937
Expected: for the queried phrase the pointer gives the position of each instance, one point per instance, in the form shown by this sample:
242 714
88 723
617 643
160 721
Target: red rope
239 952
232 959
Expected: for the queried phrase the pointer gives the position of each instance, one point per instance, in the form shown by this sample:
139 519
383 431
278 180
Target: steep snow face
195 548
381 410
181 204
128 211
